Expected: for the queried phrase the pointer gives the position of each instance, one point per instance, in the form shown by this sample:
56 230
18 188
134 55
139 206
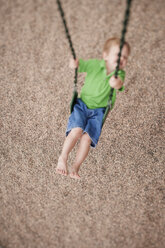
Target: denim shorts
89 120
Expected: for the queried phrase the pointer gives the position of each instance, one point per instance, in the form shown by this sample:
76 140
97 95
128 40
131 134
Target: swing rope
122 41
75 93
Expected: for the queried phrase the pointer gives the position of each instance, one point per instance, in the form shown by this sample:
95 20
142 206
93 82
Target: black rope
69 39
124 30
122 41
66 28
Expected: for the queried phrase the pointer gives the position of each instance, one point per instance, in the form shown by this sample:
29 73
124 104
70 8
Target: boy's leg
82 153
69 143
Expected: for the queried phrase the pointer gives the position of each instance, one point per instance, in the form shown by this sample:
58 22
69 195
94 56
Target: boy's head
110 53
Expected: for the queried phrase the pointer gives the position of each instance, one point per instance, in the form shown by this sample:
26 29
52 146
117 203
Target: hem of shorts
68 130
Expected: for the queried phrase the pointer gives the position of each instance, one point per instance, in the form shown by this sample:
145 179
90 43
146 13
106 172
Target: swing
122 41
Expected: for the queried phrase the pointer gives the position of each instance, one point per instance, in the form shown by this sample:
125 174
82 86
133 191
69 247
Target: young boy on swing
85 122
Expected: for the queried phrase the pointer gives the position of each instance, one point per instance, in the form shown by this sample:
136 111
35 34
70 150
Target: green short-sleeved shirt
96 89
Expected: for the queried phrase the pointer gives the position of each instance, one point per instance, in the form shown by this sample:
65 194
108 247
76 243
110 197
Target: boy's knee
76 132
87 138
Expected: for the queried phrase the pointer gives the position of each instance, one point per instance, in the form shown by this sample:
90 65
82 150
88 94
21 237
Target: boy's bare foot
61 167
74 175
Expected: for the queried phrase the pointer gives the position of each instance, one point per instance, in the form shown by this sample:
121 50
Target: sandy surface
120 200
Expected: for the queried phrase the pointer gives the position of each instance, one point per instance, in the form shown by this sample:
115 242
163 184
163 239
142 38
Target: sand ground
120 200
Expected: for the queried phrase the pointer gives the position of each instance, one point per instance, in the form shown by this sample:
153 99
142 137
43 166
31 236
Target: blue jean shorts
89 120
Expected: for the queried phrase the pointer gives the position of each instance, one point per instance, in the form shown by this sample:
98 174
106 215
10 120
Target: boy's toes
61 172
58 171
65 173
74 175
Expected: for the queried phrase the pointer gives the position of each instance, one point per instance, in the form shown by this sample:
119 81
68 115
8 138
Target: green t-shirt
96 89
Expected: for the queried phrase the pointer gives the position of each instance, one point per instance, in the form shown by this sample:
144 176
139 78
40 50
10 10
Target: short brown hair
114 41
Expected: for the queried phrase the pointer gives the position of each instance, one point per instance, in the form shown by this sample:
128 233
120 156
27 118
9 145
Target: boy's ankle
64 158
75 169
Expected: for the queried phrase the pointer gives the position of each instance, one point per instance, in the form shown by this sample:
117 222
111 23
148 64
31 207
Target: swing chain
69 39
66 28
122 40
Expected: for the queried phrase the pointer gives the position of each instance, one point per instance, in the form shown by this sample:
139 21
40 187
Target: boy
85 122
